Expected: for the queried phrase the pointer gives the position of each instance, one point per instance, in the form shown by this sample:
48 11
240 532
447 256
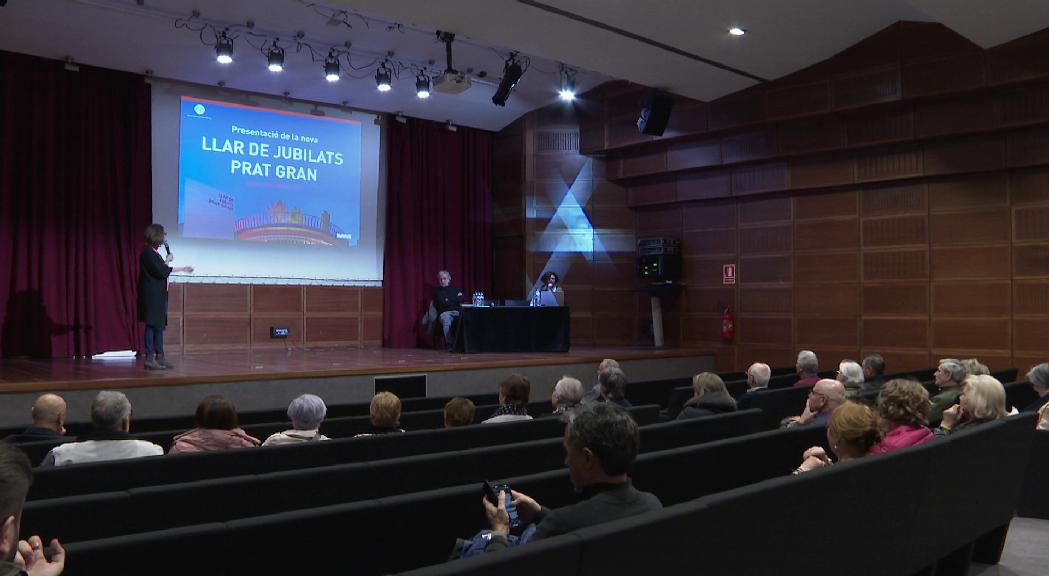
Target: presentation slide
262 175
257 189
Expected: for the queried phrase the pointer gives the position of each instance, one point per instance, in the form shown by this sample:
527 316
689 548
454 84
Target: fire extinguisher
728 325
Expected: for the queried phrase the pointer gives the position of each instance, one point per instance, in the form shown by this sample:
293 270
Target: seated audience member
306 413
566 397
459 412
808 367
613 387
982 400
709 397
850 374
601 444
825 396
594 394
948 378
758 376
1043 417
25 556
973 367
1039 379
111 420
385 414
513 400
49 421
873 372
852 431
903 406
217 429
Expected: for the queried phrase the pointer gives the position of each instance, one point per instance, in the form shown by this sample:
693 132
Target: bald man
49 419
825 396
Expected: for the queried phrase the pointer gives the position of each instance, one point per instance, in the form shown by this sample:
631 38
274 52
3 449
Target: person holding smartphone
601 444
153 272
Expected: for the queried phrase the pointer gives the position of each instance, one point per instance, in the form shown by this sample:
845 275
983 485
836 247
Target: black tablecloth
513 329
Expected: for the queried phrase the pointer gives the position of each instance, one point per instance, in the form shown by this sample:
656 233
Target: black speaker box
655 113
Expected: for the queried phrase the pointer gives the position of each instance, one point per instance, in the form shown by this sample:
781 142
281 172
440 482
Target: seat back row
417 529
94 477
108 514
918 505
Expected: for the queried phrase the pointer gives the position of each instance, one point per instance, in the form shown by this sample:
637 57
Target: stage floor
59 374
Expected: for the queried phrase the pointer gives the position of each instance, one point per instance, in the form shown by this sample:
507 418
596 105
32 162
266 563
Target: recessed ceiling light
736 31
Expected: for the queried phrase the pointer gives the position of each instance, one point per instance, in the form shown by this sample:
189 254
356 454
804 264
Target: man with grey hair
110 439
826 395
446 301
948 378
1039 379
873 372
758 376
567 394
306 413
594 394
808 367
613 387
49 419
601 444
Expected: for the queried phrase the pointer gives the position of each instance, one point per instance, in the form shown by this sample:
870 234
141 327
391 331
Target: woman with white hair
982 400
850 374
306 413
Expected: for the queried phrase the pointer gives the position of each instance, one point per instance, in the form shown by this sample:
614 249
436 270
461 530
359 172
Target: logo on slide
199 109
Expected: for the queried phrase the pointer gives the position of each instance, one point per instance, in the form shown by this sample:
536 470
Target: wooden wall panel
276 299
210 333
965 334
343 331
333 299
894 199
216 298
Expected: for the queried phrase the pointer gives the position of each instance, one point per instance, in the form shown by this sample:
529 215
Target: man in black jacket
601 443
446 300
49 418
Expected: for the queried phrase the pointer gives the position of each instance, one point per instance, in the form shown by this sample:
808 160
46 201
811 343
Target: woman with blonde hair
903 406
982 400
710 396
851 432
385 414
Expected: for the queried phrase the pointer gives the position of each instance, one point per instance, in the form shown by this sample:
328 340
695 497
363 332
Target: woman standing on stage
153 272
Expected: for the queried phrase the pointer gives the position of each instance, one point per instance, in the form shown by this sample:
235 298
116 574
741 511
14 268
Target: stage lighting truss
345 60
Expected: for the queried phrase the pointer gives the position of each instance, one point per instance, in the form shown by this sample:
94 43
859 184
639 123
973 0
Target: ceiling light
736 31
331 67
422 86
275 57
224 48
567 91
512 72
382 78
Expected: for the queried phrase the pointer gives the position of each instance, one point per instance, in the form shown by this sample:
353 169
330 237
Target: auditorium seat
779 404
201 550
1019 394
251 495
783 381
1034 497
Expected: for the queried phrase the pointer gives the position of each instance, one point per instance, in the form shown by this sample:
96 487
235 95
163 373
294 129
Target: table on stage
512 329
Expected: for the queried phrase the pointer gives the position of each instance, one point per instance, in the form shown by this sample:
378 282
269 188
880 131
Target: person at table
446 301
550 282
153 272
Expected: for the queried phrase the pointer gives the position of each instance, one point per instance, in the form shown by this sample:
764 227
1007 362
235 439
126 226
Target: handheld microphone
167 249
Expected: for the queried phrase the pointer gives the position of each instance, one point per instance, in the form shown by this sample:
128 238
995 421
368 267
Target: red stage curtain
438 217
74 199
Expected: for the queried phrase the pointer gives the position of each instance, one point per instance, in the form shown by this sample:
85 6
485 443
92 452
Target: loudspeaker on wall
655 113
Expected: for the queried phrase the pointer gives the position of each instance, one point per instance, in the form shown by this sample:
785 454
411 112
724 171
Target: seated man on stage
446 300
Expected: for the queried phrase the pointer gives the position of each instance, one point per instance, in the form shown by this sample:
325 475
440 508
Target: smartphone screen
491 491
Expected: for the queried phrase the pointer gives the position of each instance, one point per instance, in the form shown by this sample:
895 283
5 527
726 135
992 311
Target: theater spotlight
567 91
275 57
422 86
382 78
331 67
512 72
224 48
